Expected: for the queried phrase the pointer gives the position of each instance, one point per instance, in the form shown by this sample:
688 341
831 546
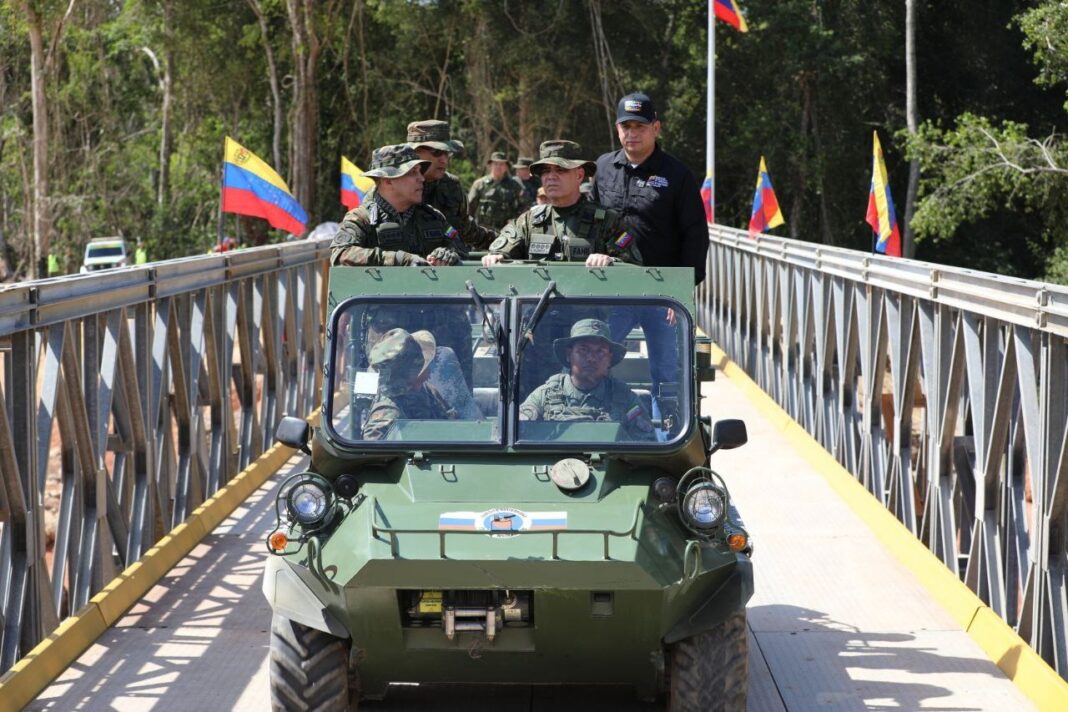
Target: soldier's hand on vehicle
490 260
410 259
443 257
599 260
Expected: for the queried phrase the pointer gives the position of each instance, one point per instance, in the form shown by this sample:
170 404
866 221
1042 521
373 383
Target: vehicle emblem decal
503 521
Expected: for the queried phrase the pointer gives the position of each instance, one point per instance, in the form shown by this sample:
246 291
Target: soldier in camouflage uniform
529 180
571 227
587 393
498 197
442 189
395 228
402 361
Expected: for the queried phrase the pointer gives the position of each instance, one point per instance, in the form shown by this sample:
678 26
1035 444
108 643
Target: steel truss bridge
147 391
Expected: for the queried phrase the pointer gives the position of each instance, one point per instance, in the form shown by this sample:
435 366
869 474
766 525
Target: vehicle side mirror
728 434
295 432
706 372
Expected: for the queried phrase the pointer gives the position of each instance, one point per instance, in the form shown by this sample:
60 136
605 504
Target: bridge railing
129 397
944 391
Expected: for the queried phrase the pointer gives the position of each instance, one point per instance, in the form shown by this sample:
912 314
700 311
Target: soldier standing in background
441 189
530 182
498 197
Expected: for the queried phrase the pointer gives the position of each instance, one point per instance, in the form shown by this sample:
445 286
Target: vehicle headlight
703 506
309 501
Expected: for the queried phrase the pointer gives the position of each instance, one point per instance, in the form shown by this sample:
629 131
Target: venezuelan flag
706 198
251 187
766 212
729 12
881 214
354 184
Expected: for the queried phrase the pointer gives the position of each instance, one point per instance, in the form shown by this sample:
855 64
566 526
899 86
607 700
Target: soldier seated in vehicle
570 226
402 361
587 393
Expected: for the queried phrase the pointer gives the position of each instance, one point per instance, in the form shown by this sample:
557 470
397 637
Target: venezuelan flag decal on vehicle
502 521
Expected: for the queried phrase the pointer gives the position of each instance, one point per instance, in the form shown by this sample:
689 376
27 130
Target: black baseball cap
636 107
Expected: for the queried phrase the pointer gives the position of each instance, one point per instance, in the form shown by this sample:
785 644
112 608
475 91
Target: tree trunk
304 131
166 142
909 248
40 145
481 90
276 92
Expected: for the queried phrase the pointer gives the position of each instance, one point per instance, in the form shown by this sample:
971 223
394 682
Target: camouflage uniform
447 194
559 399
531 184
494 203
376 234
571 233
401 359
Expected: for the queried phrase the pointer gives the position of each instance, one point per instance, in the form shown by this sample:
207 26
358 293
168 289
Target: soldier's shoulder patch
499 243
540 213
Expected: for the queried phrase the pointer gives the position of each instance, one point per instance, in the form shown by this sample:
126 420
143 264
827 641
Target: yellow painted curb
50 657
33 673
1011 653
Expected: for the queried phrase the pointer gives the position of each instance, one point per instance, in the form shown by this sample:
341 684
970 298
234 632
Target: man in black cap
657 194
661 206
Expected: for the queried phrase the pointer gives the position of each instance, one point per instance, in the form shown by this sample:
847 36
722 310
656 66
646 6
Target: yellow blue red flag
766 212
354 184
729 12
706 197
881 214
251 187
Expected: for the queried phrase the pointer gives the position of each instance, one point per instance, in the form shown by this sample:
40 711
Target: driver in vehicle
402 361
587 392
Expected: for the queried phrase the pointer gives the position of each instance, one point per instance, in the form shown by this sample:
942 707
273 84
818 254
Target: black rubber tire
309 669
709 672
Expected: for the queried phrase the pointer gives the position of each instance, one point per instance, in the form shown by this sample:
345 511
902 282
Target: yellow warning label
430 602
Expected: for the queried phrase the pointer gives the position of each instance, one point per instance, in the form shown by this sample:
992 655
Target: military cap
401 357
433 133
394 161
565 154
588 329
498 156
636 106
523 162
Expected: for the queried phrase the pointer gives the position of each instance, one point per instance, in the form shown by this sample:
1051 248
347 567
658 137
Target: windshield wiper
491 325
526 334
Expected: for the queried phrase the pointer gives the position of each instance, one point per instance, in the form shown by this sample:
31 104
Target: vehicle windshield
98 251
415 370
603 371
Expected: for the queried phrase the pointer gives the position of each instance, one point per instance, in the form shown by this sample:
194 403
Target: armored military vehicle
539 509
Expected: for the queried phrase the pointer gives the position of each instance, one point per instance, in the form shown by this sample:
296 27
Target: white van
105 253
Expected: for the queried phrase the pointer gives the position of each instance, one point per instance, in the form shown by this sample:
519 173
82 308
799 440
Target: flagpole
222 186
710 121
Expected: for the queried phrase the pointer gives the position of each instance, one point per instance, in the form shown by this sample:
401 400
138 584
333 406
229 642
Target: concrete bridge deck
837 623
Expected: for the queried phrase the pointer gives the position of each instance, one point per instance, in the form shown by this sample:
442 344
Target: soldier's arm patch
499 243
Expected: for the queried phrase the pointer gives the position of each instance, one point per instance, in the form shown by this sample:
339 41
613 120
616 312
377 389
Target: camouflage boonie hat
433 133
400 358
588 329
394 161
523 162
498 156
565 154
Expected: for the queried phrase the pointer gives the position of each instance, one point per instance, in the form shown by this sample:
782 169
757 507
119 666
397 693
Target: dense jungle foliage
139 95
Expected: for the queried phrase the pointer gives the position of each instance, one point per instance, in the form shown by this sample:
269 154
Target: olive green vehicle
482 546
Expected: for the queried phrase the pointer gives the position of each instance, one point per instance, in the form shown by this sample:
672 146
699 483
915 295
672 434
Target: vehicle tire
309 669
710 671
